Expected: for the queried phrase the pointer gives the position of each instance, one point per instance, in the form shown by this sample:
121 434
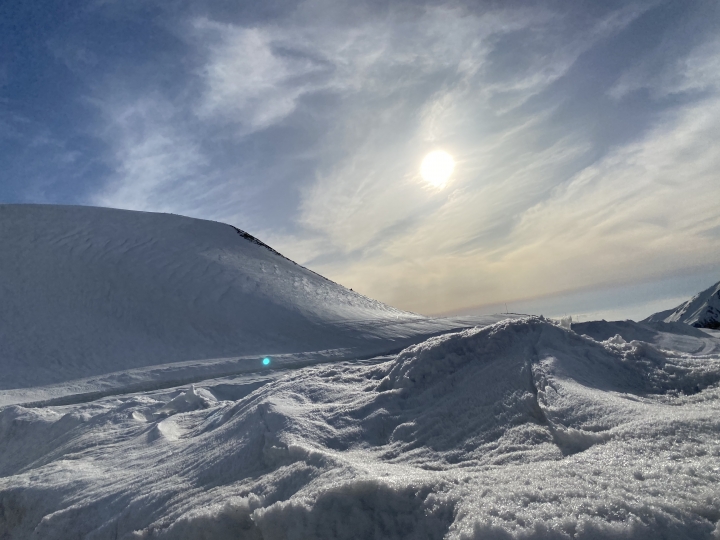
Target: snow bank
521 430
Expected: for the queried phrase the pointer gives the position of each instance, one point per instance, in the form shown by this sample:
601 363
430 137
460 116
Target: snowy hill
701 311
90 291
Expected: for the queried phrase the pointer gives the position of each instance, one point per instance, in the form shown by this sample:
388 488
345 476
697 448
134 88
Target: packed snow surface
518 430
93 299
702 310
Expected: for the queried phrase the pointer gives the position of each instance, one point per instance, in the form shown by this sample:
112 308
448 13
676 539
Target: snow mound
89 291
701 311
193 399
520 430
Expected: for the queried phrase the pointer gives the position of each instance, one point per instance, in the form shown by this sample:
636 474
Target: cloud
646 211
254 78
620 218
155 166
453 94
249 79
307 128
698 71
459 94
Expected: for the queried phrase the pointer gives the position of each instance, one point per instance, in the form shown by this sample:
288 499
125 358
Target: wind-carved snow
518 430
701 311
674 335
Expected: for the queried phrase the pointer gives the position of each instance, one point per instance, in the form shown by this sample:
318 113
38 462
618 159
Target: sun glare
437 167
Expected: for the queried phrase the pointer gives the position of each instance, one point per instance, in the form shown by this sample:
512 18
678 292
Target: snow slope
86 292
701 311
520 430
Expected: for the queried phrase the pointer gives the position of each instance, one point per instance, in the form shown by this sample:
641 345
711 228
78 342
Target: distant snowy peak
701 311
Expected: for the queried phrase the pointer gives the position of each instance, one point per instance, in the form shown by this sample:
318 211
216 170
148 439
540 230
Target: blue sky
584 134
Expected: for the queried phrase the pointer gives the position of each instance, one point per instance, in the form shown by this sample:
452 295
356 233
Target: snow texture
519 430
701 311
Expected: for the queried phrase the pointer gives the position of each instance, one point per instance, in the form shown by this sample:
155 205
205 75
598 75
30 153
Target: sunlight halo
437 167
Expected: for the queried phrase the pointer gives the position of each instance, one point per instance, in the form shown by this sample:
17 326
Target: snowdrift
89 291
518 430
674 335
701 311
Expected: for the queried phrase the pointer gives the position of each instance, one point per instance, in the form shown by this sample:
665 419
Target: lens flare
437 167
266 361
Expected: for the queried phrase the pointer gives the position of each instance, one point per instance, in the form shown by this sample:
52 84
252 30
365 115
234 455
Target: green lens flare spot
266 361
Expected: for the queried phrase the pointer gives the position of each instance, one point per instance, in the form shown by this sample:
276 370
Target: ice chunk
566 322
190 400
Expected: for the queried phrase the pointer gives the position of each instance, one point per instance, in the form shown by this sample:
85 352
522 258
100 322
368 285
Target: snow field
519 430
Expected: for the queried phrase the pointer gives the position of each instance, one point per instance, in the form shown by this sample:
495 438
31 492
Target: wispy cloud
249 79
582 135
645 211
152 160
696 71
465 103
459 95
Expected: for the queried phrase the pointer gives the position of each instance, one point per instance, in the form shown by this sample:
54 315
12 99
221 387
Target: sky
584 134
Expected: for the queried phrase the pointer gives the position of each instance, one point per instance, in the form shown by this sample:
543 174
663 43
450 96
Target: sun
437 167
